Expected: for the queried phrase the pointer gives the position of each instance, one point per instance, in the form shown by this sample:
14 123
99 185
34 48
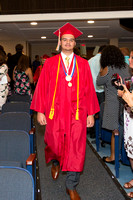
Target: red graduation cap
68 29
45 56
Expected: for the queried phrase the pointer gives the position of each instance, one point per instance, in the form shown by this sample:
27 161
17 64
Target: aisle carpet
95 182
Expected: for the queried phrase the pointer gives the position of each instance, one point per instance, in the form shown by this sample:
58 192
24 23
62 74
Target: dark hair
101 48
2 57
36 56
23 63
19 47
112 56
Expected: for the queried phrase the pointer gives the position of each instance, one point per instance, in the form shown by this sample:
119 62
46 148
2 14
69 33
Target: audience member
112 61
39 68
125 52
95 66
3 79
13 61
128 123
22 76
36 63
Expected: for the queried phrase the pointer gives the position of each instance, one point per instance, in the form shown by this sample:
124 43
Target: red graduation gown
65 137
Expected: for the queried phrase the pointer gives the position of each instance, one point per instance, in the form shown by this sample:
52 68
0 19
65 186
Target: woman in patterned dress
112 62
22 76
128 124
3 79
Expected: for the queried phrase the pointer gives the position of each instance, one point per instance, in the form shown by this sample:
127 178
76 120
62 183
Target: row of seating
17 151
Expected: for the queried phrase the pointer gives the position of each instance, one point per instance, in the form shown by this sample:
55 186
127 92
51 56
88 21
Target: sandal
130 194
128 185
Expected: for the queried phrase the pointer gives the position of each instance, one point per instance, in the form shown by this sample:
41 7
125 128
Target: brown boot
73 194
55 171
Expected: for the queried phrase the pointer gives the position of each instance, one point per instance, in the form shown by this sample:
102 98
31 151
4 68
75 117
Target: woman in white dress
3 79
128 123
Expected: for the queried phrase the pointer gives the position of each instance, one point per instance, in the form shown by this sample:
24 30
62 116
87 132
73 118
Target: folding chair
16 184
18 121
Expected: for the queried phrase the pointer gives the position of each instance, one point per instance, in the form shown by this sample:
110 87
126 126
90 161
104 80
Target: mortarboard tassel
58 45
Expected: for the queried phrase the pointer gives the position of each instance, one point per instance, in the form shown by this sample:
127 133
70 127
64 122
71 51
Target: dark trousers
72 178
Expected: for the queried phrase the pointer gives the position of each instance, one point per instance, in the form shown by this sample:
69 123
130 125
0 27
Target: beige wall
9 46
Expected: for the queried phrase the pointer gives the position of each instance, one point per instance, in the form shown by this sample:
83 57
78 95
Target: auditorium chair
16 184
15 150
18 121
16 106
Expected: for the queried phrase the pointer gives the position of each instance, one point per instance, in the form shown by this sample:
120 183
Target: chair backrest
14 148
18 97
16 184
15 121
16 107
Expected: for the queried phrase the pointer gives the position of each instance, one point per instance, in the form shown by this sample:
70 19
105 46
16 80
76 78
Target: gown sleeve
38 103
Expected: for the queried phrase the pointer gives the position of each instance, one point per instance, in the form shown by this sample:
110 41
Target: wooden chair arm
32 131
31 159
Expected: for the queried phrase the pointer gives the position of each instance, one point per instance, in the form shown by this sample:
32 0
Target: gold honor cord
51 114
77 111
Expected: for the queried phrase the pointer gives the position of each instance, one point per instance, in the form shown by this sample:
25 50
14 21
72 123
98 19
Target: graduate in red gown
65 101
39 68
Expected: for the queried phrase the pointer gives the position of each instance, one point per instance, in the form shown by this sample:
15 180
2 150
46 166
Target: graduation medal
69 77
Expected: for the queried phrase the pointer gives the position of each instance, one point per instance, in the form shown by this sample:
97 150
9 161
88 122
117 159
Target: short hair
36 56
101 48
19 47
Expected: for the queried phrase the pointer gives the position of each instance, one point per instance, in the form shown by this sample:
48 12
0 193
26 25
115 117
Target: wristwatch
131 108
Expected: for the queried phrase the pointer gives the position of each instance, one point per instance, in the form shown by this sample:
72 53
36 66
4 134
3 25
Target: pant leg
55 162
72 180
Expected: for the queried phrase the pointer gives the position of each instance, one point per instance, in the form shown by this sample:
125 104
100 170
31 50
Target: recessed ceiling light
33 23
90 36
43 37
90 21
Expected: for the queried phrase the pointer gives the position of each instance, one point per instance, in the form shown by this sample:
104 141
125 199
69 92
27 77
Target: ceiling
102 30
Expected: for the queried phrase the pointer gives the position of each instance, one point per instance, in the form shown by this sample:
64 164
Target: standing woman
112 61
128 123
22 76
3 79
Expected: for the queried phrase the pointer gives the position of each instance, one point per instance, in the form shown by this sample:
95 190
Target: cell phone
116 79
128 83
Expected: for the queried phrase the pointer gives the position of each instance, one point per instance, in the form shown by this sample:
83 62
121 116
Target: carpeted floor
95 181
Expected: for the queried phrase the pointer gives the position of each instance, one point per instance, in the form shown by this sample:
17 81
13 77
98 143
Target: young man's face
67 42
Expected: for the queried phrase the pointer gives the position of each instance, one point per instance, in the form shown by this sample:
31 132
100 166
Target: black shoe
102 144
110 162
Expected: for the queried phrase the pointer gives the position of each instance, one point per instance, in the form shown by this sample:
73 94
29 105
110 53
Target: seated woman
22 76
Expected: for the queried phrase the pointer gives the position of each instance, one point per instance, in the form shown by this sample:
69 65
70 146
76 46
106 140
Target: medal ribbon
51 114
74 64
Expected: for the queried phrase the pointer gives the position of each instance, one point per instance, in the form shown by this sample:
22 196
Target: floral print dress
128 133
3 87
22 83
